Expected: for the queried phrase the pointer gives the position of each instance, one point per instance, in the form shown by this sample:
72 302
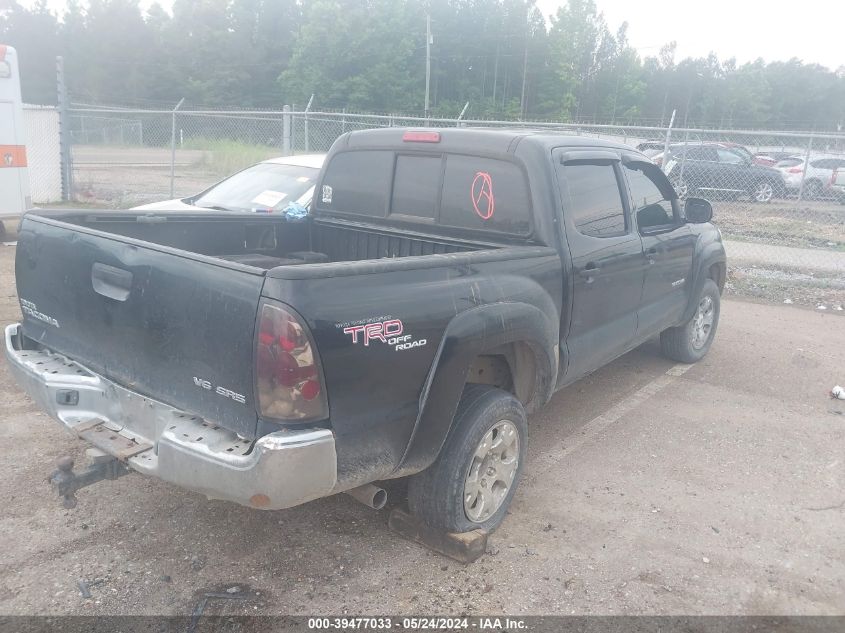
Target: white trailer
14 175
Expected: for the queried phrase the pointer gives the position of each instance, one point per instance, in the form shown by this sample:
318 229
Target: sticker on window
327 194
269 198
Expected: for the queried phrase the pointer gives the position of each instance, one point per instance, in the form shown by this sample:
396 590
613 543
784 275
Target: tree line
501 56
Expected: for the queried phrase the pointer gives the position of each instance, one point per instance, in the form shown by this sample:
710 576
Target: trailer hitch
66 482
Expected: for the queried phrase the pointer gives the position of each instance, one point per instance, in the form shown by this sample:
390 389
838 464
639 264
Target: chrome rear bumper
279 470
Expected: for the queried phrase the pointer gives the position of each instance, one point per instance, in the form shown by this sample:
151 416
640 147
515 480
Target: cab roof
494 140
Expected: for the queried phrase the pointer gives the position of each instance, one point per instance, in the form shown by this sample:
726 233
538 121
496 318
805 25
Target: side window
596 203
729 157
652 205
356 182
486 194
416 186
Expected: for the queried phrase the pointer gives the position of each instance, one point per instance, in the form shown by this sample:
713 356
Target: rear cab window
456 191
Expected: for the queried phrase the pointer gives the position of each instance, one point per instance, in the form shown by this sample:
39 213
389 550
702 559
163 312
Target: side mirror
698 210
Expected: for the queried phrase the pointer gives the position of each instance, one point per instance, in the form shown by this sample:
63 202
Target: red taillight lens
795 170
289 386
418 136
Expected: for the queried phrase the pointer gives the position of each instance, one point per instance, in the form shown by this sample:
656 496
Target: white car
266 187
837 184
816 173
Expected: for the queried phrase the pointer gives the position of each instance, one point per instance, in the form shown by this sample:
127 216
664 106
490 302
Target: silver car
266 187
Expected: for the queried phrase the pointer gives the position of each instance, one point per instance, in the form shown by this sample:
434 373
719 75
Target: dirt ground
650 489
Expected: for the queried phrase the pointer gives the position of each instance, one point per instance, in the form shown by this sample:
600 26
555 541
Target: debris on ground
838 393
85 586
231 593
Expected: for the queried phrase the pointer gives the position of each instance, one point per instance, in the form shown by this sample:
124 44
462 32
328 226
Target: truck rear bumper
279 470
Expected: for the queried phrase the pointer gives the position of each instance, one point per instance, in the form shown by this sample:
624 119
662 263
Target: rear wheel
688 343
472 482
682 187
763 191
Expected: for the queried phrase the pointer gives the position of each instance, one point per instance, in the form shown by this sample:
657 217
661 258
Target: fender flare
709 254
468 335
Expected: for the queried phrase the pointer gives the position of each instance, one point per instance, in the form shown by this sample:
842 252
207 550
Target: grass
788 223
223 157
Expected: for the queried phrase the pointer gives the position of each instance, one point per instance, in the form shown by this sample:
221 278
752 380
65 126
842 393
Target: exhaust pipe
370 495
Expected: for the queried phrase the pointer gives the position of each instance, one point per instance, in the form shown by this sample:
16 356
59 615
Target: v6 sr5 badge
390 332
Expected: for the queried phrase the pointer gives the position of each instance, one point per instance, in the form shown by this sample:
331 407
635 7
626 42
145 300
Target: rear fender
468 335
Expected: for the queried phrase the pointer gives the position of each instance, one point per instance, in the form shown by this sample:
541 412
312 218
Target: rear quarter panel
374 387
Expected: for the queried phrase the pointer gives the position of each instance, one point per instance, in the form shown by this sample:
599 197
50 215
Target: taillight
288 378
795 170
658 160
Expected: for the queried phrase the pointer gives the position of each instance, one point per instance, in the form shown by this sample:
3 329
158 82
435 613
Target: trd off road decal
383 329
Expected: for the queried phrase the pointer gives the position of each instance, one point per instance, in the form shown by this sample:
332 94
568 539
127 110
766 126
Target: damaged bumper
279 470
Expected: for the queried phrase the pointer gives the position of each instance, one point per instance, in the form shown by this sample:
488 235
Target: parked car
444 285
265 187
837 184
714 168
816 174
651 148
771 158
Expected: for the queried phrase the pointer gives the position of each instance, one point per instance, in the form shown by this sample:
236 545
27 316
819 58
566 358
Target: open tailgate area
175 326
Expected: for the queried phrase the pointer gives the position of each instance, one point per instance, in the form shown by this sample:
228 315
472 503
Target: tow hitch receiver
66 482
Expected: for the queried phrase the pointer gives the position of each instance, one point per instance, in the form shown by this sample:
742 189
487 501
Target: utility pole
524 72
427 60
496 72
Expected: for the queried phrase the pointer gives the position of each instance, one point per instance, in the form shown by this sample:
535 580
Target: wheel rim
492 471
763 192
702 324
681 188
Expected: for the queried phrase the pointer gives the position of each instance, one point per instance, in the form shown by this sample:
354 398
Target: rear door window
596 203
357 182
486 194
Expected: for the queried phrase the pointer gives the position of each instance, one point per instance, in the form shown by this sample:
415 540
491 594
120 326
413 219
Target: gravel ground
718 490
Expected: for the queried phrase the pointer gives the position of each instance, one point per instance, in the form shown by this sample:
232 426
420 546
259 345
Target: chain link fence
782 219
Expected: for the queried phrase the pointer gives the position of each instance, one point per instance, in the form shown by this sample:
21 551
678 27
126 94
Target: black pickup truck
445 284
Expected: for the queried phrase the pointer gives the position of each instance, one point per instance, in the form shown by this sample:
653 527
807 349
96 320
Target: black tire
679 343
436 495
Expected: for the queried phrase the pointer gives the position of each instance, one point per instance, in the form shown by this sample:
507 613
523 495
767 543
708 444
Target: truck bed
166 303
267 242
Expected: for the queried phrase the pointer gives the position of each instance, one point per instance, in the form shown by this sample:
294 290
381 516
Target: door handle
111 282
589 271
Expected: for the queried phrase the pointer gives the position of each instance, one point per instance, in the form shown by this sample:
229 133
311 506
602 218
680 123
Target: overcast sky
746 29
